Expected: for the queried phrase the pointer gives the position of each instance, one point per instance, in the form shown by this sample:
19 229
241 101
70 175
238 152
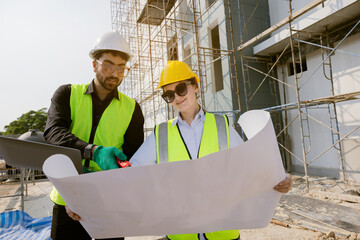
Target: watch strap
88 151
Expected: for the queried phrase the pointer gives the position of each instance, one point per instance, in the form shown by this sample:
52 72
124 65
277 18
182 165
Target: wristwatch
88 151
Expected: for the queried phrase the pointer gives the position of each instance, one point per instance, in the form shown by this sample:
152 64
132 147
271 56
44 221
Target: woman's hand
71 214
285 185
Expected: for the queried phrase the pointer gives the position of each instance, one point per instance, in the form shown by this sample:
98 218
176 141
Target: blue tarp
20 225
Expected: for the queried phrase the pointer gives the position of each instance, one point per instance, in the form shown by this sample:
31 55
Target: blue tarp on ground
20 225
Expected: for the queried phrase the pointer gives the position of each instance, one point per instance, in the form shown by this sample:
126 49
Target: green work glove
105 157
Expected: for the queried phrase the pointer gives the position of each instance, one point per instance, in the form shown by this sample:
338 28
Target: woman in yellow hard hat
191 135
177 78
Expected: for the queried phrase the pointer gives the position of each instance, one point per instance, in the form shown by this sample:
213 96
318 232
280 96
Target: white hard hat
111 41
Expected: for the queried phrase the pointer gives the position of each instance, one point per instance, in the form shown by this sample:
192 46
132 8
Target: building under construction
298 59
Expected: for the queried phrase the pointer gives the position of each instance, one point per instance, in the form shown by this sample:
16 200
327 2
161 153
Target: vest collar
91 90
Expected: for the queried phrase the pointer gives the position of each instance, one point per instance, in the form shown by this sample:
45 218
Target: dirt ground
330 209
323 194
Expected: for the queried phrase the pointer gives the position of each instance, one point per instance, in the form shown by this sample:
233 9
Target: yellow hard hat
176 71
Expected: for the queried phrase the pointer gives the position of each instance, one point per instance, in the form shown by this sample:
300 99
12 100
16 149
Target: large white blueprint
231 189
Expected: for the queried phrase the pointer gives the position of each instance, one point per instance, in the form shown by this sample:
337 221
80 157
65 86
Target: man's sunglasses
180 90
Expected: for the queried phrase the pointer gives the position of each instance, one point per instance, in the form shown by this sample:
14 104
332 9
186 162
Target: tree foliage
30 120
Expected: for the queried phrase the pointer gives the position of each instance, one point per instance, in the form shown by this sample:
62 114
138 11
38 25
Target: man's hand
105 157
285 185
71 214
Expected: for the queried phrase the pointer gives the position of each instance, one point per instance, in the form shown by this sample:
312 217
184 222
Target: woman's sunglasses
180 90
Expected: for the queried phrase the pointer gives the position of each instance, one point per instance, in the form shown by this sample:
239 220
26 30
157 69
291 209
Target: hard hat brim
195 76
93 52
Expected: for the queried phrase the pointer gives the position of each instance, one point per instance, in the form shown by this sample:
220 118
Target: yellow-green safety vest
170 147
110 130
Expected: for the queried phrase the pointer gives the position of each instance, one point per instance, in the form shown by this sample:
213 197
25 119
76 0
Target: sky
45 44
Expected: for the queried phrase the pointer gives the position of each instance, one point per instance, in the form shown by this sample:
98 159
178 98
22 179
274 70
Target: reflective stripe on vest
110 130
222 131
170 147
162 153
215 137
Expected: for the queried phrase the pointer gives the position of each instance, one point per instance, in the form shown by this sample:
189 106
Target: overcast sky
44 44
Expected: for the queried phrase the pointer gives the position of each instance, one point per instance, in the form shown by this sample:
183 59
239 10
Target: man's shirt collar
91 90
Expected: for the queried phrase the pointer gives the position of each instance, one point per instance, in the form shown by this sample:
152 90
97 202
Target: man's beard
108 86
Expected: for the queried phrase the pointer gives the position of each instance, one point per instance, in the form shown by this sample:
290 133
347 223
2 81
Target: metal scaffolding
299 43
155 30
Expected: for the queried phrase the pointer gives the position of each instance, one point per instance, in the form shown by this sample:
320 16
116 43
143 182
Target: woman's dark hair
193 81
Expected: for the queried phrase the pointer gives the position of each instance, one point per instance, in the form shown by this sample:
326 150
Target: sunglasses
110 68
180 90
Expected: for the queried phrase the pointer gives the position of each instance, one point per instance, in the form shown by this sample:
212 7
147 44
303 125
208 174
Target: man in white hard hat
96 118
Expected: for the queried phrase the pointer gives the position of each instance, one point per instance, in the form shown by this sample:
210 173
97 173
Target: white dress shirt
146 154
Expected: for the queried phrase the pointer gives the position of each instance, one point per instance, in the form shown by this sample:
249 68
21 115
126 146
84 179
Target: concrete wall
214 101
279 9
346 69
346 74
320 137
221 100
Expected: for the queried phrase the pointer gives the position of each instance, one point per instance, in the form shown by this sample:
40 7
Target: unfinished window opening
300 67
187 56
217 79
210 2
172 48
